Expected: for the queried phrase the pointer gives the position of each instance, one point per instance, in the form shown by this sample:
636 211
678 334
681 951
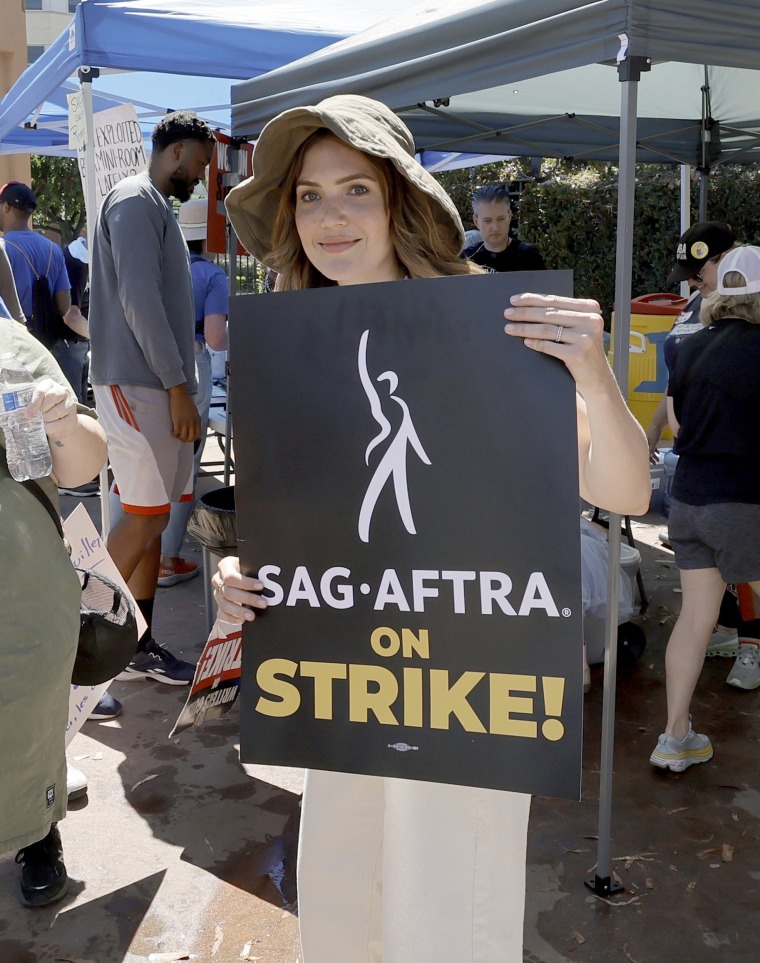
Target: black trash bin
213 524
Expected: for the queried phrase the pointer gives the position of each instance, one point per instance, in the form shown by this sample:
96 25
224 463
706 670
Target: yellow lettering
413 697
504 704
288 695
379 702
324 674
391 647
445 700
415 644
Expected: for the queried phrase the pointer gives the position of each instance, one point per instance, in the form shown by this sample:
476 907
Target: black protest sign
407 489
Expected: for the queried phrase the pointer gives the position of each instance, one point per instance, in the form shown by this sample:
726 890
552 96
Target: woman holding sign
396 870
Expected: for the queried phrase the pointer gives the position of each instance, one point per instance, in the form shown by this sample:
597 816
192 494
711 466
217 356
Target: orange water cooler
652 316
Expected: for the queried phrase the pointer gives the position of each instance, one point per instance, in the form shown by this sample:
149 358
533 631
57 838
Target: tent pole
705 140
231 180
704 184
685 212
629 70
232 246
86 75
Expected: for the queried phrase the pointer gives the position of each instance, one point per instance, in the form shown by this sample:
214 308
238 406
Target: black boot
43 875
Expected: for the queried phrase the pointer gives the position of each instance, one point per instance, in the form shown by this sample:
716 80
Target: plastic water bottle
26 444
670 461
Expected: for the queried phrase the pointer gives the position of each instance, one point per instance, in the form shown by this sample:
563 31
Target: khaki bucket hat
363 124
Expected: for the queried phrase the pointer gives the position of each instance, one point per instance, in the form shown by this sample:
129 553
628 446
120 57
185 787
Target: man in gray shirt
142 367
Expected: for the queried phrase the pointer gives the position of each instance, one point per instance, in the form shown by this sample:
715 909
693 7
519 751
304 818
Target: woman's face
707 280
342 216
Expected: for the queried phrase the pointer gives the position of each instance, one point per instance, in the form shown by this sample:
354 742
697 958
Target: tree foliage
60 201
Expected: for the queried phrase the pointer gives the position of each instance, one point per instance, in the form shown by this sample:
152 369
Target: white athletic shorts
151 467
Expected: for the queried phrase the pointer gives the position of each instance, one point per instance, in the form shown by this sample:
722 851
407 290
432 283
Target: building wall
42 27
12 65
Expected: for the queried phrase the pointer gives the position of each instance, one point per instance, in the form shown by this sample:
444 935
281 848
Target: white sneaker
679 754
746 671
76 782
723 642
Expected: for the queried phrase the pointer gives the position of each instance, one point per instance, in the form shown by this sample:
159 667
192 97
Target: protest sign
216 682
118 149
88 550
77 130
407 490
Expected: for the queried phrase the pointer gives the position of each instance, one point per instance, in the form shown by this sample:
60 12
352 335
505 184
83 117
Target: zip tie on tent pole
623 52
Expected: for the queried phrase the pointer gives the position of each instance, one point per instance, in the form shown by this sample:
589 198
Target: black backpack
45 323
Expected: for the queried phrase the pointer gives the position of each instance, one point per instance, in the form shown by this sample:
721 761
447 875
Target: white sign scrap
88 550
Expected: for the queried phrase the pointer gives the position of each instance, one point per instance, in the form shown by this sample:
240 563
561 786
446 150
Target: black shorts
725 536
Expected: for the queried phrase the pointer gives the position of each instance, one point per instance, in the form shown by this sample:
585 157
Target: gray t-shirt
141 296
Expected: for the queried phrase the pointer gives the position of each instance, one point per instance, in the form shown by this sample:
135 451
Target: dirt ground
179 852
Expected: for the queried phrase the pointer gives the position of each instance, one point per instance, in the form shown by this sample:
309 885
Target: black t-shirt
78 275
685 324
516 256
718 407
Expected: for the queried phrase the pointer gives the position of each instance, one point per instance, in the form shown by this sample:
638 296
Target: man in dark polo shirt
492 216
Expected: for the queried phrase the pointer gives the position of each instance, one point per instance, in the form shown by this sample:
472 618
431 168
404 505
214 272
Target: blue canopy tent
207 42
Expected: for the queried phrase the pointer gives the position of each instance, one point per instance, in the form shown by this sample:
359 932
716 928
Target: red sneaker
175 570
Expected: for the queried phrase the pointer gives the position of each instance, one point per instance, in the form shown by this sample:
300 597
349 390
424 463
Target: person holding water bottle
40 601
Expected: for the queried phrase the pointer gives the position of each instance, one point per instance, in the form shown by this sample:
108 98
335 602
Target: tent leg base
604 885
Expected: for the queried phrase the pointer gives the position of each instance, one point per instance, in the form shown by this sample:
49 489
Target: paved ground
179 852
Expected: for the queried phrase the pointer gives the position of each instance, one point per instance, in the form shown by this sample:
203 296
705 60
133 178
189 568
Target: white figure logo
393 462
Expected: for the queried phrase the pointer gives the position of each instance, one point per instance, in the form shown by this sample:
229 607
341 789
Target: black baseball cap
697 245
18 195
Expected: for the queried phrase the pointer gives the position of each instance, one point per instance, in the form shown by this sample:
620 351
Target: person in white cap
398 870
713 401
210 298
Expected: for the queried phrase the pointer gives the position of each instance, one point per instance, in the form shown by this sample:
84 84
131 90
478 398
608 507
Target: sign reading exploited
407 491
118 148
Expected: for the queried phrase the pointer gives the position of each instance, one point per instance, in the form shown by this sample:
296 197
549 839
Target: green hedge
570 215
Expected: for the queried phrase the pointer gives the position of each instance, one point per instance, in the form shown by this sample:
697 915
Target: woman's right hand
236 594
654 433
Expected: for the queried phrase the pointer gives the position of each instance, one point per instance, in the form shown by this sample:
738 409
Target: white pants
399 871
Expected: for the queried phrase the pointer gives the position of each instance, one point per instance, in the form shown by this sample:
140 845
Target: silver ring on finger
221 589
558 335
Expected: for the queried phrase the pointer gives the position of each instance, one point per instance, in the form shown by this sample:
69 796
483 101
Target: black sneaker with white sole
43 875
156 662
82 491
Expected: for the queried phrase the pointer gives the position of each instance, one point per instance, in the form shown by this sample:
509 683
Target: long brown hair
423 246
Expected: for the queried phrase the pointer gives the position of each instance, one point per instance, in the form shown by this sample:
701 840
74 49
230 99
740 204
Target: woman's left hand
58 408
566 328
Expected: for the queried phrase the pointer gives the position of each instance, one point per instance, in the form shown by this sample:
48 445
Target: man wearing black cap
31 255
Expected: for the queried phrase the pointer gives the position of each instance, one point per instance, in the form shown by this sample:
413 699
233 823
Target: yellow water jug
652 317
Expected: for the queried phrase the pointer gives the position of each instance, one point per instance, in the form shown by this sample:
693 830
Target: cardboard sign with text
407 489
88 550
119 150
